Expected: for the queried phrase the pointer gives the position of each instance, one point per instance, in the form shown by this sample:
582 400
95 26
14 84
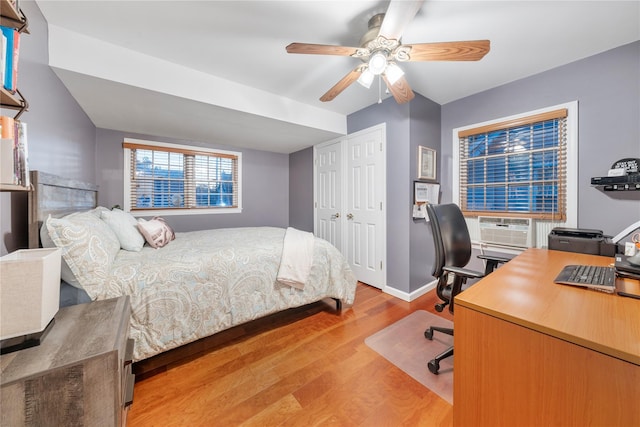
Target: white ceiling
217 71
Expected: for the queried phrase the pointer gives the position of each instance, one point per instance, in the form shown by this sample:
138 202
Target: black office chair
453 252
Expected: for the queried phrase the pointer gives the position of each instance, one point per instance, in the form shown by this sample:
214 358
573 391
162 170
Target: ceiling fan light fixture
366 78
381 49
393 73
378 63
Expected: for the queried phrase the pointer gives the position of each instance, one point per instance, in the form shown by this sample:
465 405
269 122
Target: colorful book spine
3 57
14 152
11 54
23 154
14 63
7 127
8 58
7 150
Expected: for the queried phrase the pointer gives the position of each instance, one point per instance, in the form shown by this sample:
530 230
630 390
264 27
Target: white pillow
65 272
156 231
125 226
88 246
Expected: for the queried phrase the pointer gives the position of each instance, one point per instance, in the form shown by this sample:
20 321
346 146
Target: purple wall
607 88
409 245
425 131
301 184
399 193
265 184
63 141
61 137
278 188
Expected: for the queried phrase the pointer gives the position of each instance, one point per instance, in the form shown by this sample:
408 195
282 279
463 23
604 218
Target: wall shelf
14 188
12 17
631 183
13 101
632 186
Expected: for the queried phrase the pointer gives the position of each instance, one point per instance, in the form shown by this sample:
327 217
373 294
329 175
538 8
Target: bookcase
11 16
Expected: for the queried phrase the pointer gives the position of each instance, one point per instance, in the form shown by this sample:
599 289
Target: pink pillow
156 231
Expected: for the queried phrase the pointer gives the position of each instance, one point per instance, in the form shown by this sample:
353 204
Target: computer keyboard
596 277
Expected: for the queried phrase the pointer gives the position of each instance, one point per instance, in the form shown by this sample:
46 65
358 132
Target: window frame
571 158
181 148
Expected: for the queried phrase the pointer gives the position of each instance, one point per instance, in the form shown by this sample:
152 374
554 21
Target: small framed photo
426 163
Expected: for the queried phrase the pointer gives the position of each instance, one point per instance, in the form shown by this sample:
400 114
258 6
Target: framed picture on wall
426 163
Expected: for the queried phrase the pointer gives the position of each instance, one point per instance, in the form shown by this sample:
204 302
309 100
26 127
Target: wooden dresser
79 375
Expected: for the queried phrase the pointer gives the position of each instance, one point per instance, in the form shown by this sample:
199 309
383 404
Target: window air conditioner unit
517 232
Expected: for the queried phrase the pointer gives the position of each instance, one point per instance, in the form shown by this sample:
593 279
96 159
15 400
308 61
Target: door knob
335 216
349 216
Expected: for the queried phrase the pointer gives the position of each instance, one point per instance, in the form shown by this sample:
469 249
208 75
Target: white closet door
364 209
350 198
329 193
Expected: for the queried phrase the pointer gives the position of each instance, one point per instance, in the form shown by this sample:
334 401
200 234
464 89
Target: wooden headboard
56 196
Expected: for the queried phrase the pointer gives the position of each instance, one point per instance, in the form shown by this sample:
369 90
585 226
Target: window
515 167
172 178
519 166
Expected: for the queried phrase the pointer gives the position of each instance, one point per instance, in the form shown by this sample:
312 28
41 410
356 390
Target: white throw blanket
297 256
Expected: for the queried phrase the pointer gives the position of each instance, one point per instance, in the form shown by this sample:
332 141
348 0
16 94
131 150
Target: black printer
581 240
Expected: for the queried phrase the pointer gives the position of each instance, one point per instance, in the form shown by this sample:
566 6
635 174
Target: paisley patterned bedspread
206 281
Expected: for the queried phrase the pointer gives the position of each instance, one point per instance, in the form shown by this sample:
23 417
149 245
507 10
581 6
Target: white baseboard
410 296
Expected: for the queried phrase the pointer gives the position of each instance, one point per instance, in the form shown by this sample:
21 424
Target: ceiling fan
381 49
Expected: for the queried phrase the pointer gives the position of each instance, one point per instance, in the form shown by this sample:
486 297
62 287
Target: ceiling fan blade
321 49
399 15
472 50
342 84
400 90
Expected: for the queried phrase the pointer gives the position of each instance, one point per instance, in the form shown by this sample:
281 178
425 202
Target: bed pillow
125 227
156 231
65 272
88 247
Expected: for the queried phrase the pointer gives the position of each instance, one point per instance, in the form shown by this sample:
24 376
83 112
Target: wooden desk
529 352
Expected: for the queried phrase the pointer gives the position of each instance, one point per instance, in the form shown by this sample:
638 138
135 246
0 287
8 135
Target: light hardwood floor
300 368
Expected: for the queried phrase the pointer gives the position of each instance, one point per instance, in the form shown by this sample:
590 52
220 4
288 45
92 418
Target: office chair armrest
463 272
498 259
492 262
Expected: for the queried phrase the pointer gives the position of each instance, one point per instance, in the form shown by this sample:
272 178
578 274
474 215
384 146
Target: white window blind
170 177
516 167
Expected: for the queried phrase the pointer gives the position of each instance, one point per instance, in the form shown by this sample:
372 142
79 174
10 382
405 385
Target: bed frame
57 196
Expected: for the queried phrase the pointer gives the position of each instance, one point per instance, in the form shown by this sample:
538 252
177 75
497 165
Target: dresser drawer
77 375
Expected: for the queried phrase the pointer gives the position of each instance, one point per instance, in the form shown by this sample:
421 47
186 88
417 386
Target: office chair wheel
440 307
428 334
434 366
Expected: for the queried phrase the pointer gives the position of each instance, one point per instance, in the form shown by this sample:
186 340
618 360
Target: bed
197 285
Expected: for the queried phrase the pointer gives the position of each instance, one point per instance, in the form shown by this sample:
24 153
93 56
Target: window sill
175 212
492 247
